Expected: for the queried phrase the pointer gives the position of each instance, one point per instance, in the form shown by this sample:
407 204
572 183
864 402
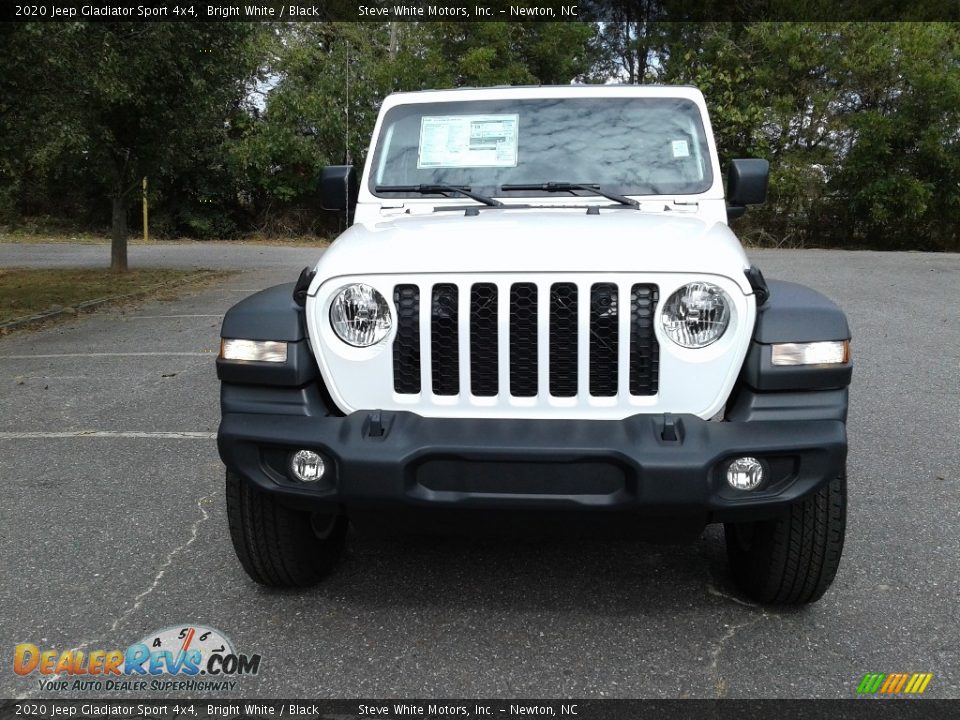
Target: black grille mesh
406 345
604 340
444 341
644 351
644 348
563 340
484 353
523 340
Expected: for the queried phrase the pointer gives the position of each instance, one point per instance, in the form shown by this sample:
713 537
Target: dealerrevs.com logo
184 658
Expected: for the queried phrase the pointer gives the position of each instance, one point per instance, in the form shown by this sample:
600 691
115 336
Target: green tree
329 80
634 41
508 53
769 96
897 176
124 100
859 120
233 122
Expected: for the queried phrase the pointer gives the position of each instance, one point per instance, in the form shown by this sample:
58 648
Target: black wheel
278 546
793 559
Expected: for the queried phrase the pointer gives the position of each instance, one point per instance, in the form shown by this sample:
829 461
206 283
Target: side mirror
746 185
338 188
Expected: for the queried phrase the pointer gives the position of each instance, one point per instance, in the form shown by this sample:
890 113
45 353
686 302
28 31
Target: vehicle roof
544 91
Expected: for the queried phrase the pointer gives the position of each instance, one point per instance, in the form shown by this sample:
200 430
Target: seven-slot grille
563 322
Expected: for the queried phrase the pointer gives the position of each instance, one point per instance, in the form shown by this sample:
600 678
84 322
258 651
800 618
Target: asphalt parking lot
112 524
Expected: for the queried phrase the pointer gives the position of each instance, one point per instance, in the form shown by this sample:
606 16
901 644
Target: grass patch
288 241
20 237
27 237
25 292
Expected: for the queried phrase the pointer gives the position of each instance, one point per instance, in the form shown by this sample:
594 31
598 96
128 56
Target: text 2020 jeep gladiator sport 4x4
539 314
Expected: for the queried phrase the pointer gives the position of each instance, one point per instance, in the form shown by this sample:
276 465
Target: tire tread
275 545
794 558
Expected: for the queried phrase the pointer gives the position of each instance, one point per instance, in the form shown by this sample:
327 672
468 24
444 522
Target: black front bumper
397 462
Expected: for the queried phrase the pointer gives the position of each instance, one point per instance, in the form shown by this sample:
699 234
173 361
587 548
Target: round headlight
696 315
360 315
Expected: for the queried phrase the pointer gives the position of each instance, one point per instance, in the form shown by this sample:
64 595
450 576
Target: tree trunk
118 235
394 42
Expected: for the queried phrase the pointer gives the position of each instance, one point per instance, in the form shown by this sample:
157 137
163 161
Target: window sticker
455 141
680 149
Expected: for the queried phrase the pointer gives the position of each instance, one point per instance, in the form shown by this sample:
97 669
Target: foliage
861 123
100 105
329 80
233 122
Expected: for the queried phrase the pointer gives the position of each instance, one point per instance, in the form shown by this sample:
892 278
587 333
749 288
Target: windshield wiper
570 187
440 190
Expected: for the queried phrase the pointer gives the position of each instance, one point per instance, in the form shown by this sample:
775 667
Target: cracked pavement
108 535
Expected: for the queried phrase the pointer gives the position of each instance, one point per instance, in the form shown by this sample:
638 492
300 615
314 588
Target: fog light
307 466
745 473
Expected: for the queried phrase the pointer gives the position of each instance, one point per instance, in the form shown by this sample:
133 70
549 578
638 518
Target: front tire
277 546
792 559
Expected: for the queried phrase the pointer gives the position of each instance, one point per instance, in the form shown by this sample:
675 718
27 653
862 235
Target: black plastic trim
306 401
760 373
299 369
644 348
523 342
795 313
484 341
445 338
270 314
749 406
563 346
604 339
302 285
760 289
406 344
641 471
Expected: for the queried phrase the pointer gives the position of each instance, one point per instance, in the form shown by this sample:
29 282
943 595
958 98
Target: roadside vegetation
54 234
231 122
26 294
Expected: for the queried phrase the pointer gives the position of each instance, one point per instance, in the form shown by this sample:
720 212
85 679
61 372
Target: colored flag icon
894 683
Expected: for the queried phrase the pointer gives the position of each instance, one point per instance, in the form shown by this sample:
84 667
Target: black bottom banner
117 709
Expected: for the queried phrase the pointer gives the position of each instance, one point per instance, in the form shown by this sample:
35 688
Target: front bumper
396 462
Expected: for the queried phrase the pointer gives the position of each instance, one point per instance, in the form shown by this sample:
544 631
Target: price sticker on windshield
462 141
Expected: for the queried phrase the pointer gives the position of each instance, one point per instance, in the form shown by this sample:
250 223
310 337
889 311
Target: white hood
534 240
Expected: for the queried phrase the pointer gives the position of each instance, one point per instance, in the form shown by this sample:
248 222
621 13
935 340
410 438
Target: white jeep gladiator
539 318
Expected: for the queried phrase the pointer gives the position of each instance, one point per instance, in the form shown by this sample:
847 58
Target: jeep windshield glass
627 146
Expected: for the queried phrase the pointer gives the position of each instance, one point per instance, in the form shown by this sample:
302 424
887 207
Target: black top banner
478 10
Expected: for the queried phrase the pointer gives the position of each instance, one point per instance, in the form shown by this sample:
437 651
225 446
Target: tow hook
672 430
375 427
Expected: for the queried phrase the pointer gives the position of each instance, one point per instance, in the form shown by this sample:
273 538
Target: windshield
630 146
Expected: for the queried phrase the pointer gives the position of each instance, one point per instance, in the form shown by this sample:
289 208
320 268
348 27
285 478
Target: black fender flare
796 313
294 387
270 314
792 313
